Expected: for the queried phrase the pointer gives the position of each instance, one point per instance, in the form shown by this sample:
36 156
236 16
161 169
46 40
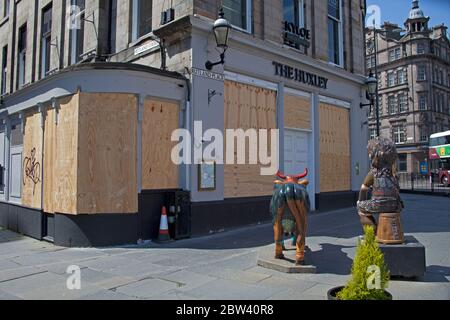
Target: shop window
402 163
77 31
238 13
46 31
335 32
142 18
22 53
2 158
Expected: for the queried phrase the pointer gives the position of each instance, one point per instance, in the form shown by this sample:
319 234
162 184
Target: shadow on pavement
331 259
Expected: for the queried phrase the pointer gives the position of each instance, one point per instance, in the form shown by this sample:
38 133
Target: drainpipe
187 125
41 110
7 155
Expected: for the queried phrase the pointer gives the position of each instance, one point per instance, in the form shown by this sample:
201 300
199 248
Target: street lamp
371 95
221 31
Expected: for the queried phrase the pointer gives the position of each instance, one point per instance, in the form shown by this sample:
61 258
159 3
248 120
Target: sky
396 11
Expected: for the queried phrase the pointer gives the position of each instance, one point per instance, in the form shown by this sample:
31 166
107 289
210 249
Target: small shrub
367 254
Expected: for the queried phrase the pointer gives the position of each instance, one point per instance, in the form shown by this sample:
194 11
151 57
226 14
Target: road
222 266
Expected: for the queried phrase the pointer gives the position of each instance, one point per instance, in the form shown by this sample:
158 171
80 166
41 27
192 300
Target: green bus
439 154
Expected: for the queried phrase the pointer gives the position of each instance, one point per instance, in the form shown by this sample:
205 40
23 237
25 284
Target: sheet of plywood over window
246 107
334 148
61 156
32 160
297 112
107 153
159 120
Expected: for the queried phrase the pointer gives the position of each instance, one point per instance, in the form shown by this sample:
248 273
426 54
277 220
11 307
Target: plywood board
60 157
335 174
107 154
297 112
248 107
32 160
159 120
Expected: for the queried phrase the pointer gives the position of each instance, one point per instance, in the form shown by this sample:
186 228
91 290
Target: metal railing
421 183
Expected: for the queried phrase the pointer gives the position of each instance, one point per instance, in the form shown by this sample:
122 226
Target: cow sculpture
290 203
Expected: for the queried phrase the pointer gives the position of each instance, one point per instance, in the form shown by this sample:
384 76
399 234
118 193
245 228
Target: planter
334 291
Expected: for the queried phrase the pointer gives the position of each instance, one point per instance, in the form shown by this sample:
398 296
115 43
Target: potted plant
370 275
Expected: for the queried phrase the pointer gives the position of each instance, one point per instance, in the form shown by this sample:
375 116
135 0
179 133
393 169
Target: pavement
222 266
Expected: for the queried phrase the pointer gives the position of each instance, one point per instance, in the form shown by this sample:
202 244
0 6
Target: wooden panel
297 112
32 160
248 107
334 148
60 157
107 154
160 119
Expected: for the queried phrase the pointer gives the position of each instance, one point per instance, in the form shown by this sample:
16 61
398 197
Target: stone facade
414 85
266 24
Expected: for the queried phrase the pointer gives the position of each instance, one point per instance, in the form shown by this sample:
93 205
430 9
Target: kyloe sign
299 75
295 35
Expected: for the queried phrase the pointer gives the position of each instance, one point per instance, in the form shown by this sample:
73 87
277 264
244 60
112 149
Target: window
6 4
420 48
238 13
399 134
402 164
448 104
403 103
441 77
142 18
77 31
46 40
422 102
423 133
334 32
392 105
391 55
401 77
398 53
293 11
15 160
391 79
372 133
4 68
112 26
22 53
421 73
371 62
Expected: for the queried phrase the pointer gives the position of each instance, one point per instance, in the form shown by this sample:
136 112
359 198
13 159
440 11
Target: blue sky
396 11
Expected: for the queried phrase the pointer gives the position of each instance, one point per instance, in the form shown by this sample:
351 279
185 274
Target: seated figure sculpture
385 198
290 202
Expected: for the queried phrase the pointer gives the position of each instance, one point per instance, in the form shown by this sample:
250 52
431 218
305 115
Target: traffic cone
164 235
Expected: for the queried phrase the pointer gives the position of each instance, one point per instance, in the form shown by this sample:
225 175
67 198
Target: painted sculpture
289 207
385 199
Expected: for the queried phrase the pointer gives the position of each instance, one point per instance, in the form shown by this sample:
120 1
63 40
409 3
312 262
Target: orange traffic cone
163 227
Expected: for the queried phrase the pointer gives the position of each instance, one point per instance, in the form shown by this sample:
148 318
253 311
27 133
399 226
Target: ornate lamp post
221 31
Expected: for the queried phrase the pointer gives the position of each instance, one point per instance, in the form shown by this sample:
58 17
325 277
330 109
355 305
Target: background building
414 85
89 85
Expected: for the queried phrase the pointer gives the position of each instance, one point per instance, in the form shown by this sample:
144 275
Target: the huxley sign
293 34
299 75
